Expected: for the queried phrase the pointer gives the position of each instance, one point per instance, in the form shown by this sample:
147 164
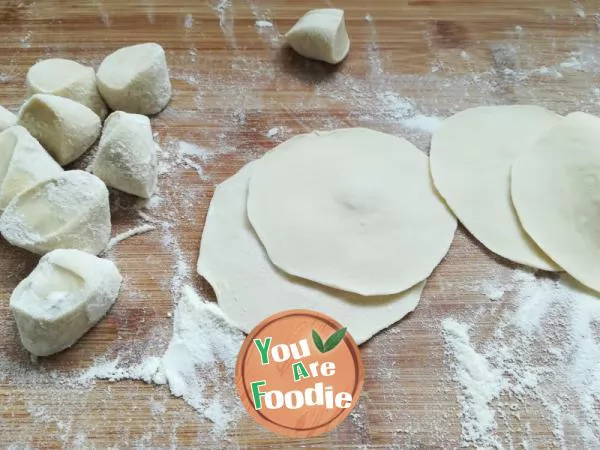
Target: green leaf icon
318 341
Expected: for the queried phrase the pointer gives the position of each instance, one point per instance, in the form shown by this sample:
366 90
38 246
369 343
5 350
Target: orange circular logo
299 373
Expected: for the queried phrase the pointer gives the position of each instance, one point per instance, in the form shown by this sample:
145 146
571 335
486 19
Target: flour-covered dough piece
320 34
66 294
23 163
555 187
250 288
7 119
471 156
66 78
67 211
63 126
135 79
126 157
352 209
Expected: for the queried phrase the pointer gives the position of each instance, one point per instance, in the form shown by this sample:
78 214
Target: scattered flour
128 234
263 24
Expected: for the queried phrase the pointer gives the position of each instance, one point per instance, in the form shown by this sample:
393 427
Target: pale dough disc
352 209
471 155
250 288
556 192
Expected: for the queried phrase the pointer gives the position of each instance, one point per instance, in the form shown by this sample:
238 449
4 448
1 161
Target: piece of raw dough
67 211
352 209
471 155
23 163
66 294
126 158
556 191
63 126
320 34
66 78
7 119
135 79
250 288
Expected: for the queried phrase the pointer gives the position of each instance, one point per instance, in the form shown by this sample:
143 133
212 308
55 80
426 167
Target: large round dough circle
471 155
556 191
352 209
250 288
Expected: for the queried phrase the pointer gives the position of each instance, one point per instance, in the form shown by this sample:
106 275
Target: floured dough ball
250 288
23 163
66 294
352 209
126 157
63 126
66 78
67 211
555 187
320 34
135 79
7 119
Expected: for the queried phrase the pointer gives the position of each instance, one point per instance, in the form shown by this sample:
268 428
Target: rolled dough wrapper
64 127
65 295
250 288
23 163
126 158
320 34
7 119
67 211
66 78
135 79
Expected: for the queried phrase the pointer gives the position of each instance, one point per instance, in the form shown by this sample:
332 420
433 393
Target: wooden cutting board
238 93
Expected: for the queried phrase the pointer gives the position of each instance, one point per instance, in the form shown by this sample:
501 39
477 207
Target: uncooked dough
67 211
66 294
126 158
63 126
135 79
556 191
7 119
66 78
471 155
352 209
250 288
23 163
320 34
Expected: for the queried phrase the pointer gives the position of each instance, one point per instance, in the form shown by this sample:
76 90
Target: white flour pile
542 357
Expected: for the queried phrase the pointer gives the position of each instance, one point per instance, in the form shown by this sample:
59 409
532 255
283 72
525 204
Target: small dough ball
67 211
66 78
250 288
320 34
63 126
352 209
23 163
471 156
135 79
7 119
126 157
555 187
66 294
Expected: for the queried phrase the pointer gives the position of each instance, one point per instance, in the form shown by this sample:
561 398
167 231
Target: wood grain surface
233 82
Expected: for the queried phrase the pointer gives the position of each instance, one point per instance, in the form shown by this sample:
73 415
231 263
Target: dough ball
67 211
7 119
66 78
320 34
471 155
23 163
352 209
250 288
556 191
66 294
126 158
64 127
135 79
